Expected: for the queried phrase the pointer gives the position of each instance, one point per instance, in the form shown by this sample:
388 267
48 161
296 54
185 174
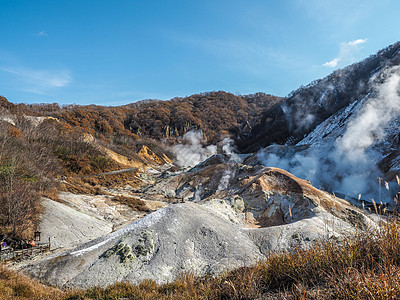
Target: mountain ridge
309 106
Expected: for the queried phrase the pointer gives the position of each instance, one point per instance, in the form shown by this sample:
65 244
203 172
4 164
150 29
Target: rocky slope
223 223
77 219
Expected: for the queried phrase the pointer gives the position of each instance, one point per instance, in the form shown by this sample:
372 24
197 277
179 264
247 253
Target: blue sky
118 52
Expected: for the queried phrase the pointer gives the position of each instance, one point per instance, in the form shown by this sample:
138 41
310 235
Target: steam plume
192 151
350 165
229 173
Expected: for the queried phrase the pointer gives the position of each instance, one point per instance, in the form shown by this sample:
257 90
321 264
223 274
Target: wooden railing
15 254
31 251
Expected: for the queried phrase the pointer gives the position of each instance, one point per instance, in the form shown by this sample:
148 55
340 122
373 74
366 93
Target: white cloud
38 81
333 63
346 53
42 33
356 42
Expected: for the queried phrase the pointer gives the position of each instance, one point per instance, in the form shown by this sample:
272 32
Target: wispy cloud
343 14
42 33
38 81
356 42
247 56
346 53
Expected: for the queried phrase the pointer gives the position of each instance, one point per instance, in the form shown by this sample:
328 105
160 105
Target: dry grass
52 193
115 180
77 185
365 266
92 184
132 202
17 286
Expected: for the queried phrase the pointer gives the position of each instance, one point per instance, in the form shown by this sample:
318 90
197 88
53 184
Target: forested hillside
214 113
310 105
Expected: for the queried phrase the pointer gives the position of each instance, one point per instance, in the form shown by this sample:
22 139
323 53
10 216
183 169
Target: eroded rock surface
232 215
180 238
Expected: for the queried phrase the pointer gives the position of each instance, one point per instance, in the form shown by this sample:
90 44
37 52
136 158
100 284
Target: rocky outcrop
260 210
77 219
180 238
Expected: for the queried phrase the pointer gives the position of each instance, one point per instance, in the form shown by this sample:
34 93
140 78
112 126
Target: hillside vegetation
40 144
214 113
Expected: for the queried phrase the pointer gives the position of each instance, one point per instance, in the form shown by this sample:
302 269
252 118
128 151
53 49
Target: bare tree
18 198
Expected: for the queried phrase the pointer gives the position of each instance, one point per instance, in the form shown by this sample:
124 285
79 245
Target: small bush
22 290
100 163
134 203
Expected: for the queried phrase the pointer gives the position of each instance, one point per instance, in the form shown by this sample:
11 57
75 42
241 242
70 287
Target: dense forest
214 113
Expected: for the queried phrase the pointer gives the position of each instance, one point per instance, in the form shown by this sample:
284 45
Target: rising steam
229 150
350 165
192 151
369 126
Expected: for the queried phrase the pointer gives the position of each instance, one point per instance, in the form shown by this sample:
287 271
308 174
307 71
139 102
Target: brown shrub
15 132
114 180
52 193
134 203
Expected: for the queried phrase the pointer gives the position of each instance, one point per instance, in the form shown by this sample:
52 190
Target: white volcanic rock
77 219
68 227
180 238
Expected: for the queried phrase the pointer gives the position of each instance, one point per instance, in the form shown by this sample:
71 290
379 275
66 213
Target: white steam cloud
192 152
229 149
229 173
350 164
369 125
225 179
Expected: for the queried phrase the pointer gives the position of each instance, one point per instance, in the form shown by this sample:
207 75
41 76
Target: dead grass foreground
365 266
